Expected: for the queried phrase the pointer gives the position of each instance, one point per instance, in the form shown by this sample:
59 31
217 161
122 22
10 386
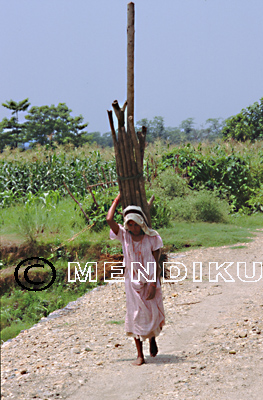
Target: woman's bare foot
153 347
140 357
139 361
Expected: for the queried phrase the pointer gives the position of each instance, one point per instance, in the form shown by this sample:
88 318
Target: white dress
144 318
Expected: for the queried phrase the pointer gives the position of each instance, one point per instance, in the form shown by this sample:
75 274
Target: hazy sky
194 58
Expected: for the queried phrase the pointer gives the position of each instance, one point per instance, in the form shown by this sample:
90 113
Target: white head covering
136 214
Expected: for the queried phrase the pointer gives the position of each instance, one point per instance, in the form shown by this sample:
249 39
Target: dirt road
210 348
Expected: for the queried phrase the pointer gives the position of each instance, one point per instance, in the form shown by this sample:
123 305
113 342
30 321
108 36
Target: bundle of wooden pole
129 146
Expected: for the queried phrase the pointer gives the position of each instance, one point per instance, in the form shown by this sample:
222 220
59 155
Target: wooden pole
119 167
145 205
130 91
119 112
130 59
129 146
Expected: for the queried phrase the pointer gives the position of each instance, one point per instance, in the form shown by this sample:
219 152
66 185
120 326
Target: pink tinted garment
144 318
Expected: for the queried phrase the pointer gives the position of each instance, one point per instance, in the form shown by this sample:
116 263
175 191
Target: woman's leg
140 357
153 347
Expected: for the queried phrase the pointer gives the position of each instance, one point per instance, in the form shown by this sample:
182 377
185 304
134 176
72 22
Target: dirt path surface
210 348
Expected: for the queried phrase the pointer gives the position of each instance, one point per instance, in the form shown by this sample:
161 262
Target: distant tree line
47 125
156 129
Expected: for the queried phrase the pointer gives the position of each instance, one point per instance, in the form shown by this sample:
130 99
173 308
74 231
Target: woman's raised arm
110 216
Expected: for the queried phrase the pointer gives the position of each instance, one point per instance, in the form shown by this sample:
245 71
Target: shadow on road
160 359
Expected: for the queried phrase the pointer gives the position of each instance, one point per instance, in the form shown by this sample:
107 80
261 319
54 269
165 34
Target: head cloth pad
136 214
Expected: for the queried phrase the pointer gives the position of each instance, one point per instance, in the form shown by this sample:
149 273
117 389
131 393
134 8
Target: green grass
254 221
42 231
22 309
237 247
120 322
56 225
14 329
48 229
182 235
53 226
38 222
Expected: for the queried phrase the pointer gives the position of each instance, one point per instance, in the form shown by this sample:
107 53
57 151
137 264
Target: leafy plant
168 185
200 206
255 201
247 125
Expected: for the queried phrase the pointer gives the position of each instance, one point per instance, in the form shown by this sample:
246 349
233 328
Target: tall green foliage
233 175
247 125
18 179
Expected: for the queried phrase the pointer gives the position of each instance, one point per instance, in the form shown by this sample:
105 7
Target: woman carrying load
141 244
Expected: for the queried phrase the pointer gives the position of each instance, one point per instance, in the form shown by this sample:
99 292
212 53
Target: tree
215 126
9 134
247 125
103 140
54 123
17 107
5 134
158 129
189 133
12 132
173 135
155 128
212 129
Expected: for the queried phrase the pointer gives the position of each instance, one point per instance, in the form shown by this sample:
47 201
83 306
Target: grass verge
182 235
21 309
